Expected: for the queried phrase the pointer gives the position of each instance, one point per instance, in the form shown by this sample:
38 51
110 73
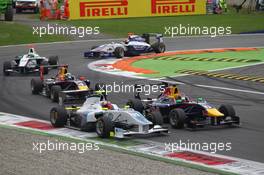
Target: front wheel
229 113
177 118
119 52
104 127
36 86
58 117
227 110
156 118
7 66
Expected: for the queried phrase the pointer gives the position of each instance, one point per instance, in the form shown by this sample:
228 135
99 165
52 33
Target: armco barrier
105 9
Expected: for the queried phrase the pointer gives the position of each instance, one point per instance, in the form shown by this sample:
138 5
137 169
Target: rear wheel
9 13
36 86
7 65
58 117
54 93
119 52
136 104
54 61
159 47
177 118
104 127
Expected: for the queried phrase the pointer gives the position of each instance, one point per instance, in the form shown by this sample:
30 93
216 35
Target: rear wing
77 97
148 36
42 69
73 97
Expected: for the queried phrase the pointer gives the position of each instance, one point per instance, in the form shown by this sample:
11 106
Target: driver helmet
69 76
172 92
106 104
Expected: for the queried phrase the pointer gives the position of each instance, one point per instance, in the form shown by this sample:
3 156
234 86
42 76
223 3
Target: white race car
108 120
134 45
30 63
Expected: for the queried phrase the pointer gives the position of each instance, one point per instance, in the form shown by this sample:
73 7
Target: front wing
93 54
121 133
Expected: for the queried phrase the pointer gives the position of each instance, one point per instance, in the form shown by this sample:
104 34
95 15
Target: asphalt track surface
247 141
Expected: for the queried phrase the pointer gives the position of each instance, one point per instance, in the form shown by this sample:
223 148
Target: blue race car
134 45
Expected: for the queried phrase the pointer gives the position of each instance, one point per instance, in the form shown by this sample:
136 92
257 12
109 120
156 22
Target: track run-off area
246 96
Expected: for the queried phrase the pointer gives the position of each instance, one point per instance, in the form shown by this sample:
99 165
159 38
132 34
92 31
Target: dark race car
134 45
63 81
181 111
30 63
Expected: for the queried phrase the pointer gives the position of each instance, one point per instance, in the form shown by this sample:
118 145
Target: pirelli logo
101 8
173 6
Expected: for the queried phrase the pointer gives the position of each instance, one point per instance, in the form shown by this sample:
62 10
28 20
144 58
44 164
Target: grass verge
13 33
168 67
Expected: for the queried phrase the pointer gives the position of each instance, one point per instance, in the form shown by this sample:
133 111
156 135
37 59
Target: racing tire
159 47
7 65
177 118
136 104
58 117
227 110
156 118
9 13
46 68
104 127
54 61
54 93
119 52
36 86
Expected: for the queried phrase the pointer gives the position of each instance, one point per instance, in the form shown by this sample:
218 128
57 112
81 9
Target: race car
134 45
182 111
96 113
30 63
63 81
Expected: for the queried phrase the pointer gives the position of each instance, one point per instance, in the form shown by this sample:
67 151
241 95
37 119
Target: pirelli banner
103 9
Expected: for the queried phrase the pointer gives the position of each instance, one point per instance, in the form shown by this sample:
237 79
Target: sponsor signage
103 9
